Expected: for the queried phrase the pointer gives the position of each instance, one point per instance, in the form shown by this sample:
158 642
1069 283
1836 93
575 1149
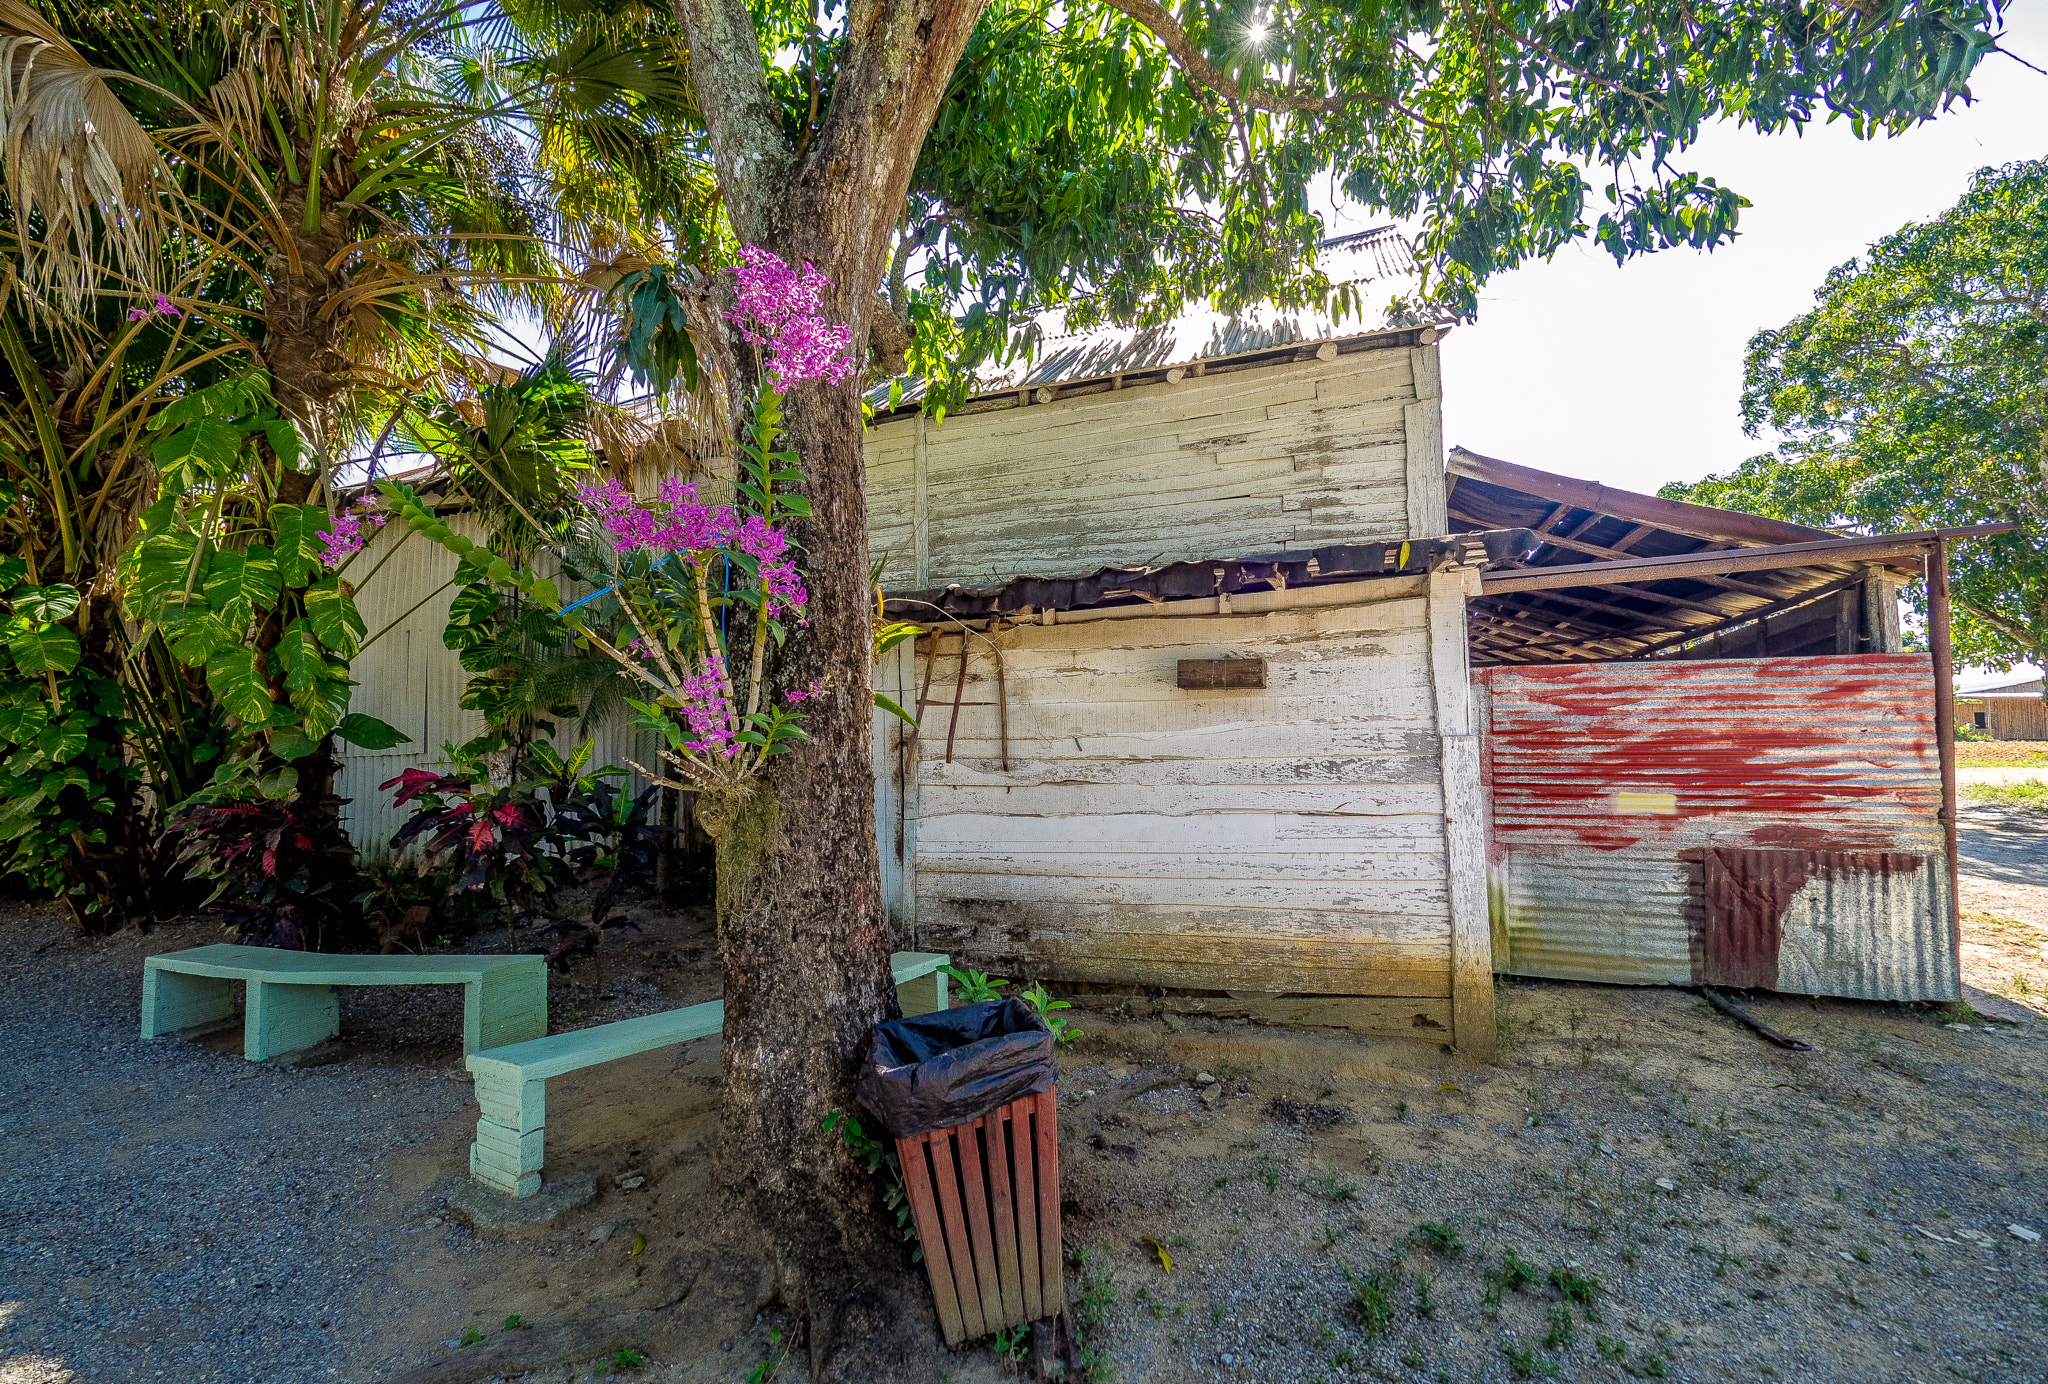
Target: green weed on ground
2031 796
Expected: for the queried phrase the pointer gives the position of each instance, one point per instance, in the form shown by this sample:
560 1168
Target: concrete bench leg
507 1152
285 1018
507 1006
172 1000
924 995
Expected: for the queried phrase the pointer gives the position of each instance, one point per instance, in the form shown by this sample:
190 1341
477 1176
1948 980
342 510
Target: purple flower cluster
677 523
796 696
344 536
779 308
160 308
707 711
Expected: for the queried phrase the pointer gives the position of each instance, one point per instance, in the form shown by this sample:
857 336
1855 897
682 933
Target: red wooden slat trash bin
986 1199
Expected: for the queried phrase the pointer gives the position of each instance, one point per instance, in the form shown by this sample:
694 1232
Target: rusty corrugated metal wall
1746 822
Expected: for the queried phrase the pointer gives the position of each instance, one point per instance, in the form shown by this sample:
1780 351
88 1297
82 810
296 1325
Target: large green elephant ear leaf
53 602
239 586
334 617
300 656
162 565
196 634
44 649
234 677
297 529
203 449
369 733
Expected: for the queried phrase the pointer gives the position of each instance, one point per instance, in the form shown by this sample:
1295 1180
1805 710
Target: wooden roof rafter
1678 572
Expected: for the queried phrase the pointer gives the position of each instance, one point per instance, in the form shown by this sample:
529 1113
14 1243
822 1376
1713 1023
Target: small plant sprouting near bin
878 1155
979 987
778 1351
974 987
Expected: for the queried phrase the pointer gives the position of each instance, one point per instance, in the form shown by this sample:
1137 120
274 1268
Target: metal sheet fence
1610 784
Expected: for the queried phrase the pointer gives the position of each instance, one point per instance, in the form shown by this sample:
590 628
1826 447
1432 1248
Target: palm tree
329 198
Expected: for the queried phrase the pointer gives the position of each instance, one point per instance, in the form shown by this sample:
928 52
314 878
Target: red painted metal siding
1611 784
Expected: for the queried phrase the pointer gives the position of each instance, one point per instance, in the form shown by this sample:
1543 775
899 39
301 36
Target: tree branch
1199 70
2032 641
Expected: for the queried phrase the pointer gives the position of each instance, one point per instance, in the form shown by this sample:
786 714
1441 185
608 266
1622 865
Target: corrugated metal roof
1610 783
1585 524
1377 263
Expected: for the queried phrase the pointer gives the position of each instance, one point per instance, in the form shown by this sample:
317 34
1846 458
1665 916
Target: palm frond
78 160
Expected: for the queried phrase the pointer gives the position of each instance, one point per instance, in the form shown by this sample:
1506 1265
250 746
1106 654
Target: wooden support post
1472 1025
1945 731
1423 425
1881 609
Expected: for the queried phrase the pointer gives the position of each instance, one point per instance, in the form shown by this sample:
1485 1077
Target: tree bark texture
790 1214
802 932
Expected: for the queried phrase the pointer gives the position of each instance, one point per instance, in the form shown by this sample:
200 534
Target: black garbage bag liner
938 1070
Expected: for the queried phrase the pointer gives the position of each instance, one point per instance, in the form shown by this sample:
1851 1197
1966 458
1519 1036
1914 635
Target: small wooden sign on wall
1202 674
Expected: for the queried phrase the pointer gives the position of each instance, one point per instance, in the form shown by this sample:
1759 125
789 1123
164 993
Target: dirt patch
1333 1208
2019 753
1642 1186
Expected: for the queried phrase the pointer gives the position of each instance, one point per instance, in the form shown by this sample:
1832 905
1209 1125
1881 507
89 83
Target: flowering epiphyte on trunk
344 536
779 308
676 524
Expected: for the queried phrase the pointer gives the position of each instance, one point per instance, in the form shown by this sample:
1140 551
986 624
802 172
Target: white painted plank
1402 936
1186 772
943 867
1266 833
1080 800
1306 717
1248 740
1417 898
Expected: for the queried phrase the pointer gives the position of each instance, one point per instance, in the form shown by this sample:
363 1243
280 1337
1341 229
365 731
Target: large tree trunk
801 928
791 1216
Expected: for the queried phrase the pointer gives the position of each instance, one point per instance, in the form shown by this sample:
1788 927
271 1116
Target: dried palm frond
76 158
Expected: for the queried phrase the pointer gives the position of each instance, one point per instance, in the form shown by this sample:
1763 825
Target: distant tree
1916 396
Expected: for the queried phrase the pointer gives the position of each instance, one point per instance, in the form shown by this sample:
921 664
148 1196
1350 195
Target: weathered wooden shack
2010 711
1236 694
1258 757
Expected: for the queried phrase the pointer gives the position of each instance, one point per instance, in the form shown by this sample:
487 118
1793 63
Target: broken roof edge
1679 516
1200 577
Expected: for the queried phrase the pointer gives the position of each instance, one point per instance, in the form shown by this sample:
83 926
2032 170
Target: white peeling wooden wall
1284 840
1226 464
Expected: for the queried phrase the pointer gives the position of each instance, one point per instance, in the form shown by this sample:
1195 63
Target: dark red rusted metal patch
1747 894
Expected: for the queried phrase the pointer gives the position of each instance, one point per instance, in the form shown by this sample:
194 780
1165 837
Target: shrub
281 865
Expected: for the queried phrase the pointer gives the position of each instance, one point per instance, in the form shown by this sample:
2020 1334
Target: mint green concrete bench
511 1082
292 1004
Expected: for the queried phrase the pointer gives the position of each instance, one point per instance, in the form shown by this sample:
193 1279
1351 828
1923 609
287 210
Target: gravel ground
172 1212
